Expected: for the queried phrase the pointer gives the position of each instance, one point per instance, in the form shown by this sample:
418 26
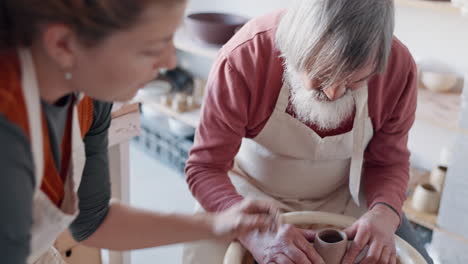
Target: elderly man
303 106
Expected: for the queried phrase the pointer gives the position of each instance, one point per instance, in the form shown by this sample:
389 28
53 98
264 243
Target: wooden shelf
183 40
436 6
440 109
429 221
423 219
191 118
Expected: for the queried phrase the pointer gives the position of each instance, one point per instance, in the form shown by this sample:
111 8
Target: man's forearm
127 228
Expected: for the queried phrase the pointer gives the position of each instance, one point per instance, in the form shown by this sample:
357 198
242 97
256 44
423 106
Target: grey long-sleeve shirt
17 179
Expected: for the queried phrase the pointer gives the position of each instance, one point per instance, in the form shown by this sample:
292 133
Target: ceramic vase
331 244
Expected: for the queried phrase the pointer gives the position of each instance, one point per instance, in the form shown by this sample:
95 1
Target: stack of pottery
179 102
426 197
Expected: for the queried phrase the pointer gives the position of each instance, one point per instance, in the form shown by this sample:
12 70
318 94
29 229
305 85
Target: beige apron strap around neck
283 98
359 144
32 99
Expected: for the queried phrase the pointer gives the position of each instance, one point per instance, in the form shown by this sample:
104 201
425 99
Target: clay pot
437 177
214 28
331 245
426 199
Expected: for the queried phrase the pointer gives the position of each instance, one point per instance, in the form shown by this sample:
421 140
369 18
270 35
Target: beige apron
48 220
292 166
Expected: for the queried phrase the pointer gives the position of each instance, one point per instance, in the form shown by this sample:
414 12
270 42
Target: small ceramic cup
437 177
331 244
426 199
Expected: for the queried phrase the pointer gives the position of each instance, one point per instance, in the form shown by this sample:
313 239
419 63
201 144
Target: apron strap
32 100
283 98
357 158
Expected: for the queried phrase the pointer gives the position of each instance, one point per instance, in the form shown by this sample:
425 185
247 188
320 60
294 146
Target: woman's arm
128 228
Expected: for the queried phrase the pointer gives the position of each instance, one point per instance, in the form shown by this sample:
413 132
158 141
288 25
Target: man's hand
376 228
245 217
289 245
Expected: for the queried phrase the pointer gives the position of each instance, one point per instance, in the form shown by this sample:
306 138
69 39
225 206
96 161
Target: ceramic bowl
438 82
214 28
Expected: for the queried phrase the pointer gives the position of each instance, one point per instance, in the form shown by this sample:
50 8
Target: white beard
312 106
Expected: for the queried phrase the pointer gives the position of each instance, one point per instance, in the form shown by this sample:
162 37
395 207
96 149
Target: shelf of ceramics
437 6
191 118
440 109
184 41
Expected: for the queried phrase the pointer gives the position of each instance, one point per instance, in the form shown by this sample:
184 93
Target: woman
54 165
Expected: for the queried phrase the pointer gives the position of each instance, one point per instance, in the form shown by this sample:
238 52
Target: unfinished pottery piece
438 82
331 244
437 178
237 254
426 199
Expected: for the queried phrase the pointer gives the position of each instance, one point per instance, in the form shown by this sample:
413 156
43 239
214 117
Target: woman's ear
60 44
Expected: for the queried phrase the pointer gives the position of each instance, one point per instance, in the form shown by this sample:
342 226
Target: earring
68 76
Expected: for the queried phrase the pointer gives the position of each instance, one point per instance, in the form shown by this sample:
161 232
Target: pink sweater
243 88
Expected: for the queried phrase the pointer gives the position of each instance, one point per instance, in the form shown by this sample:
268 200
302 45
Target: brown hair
92 20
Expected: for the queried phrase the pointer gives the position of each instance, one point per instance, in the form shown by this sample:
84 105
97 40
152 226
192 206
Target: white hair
336 37
312 106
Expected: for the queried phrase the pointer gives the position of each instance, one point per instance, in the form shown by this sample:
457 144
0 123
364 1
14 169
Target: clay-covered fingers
307 248
296 255
308 234
282 259
361 239
247 223
386 255
374 254
263 208
393 258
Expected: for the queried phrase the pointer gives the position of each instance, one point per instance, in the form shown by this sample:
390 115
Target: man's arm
218 138
387 158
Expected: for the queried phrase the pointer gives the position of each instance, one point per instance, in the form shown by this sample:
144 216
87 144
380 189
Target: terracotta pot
331 245
426 199
214 28
437 178
237 254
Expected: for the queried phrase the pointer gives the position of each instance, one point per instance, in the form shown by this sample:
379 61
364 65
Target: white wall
430 36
